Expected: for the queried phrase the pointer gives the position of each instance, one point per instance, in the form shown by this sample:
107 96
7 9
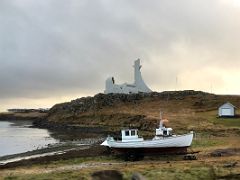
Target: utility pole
176 83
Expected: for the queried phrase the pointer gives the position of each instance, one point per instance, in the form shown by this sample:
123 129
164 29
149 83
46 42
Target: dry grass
182 115
210 168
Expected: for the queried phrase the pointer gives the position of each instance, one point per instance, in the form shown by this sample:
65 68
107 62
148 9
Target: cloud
58 48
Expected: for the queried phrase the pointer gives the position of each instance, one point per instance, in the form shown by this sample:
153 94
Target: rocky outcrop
94 111
107 100
94 103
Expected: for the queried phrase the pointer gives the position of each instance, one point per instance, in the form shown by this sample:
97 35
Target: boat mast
160 123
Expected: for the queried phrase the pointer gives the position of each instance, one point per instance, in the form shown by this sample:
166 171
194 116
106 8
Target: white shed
226 109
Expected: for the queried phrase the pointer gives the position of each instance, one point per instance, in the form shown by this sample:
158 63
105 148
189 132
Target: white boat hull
178 141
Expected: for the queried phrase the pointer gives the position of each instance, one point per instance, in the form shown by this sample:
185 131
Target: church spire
138 80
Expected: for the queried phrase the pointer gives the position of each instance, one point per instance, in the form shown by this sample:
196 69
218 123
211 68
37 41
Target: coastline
56 152
7 116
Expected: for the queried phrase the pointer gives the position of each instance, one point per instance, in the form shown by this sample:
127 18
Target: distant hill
185 110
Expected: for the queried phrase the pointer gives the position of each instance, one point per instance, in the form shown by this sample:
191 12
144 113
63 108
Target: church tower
138 80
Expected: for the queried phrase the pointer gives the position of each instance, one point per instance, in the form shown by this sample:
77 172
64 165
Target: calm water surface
19 137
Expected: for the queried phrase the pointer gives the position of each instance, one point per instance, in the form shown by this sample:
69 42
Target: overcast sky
53 51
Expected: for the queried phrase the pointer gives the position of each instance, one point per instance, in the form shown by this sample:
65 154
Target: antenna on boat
160 121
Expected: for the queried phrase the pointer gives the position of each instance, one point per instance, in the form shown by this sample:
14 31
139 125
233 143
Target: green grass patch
206 142
230 122
84 160
64 175
172 173
213 118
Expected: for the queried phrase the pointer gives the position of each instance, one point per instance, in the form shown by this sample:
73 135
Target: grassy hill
186 110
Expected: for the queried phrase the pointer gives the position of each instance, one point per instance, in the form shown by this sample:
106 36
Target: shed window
126 133
133 133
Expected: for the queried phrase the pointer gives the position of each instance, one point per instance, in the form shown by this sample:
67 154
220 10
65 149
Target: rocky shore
50 154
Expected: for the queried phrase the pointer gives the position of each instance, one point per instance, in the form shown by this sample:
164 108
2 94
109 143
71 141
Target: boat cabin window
130 132
170 133
165 132
133 133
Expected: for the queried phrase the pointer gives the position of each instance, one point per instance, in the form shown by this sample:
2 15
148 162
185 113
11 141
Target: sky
52 51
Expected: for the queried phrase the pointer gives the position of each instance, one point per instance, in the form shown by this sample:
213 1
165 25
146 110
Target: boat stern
190 138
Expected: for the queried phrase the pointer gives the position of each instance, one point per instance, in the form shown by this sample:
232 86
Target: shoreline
47 155
39 120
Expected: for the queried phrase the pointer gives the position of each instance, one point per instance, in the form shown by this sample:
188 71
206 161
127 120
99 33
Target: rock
225 152
137 176
229 165
216 154
189 157
107 175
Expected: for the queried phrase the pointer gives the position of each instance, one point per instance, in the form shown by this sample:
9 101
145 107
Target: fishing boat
164 142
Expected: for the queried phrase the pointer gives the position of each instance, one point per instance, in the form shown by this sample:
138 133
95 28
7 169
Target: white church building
138 85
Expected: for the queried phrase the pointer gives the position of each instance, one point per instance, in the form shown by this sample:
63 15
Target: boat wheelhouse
129 135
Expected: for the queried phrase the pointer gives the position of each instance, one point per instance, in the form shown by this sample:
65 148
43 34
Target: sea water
19 136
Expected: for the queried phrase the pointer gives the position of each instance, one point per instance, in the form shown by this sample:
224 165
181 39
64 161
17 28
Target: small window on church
113 80
126 133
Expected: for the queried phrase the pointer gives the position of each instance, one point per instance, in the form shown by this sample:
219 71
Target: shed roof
228 103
